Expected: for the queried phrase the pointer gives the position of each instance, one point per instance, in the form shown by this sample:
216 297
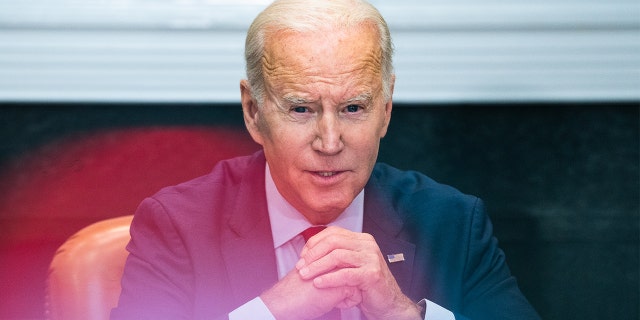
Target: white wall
446 51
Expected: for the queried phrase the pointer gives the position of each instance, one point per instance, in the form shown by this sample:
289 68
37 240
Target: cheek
269 129
288 137
365 139
284 146
364 152
262 123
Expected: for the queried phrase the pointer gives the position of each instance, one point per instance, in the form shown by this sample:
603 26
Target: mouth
327 174
328 178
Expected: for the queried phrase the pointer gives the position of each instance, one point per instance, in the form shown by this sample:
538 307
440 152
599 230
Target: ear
250 112
388 108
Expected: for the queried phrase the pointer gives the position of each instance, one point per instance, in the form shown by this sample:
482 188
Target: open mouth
326 173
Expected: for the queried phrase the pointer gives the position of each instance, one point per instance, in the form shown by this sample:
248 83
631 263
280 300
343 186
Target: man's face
323 116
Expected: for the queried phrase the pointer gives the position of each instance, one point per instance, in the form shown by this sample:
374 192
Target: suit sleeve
158 278
490 291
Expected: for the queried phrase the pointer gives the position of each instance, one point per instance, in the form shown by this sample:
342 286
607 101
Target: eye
300 109
352 108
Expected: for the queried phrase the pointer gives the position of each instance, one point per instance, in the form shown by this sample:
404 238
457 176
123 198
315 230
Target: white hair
310 15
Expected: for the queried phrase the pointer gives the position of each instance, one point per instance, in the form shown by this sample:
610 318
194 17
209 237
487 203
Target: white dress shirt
286 225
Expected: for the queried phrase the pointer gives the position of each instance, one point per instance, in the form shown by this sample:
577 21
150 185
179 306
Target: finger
328 233
334 238
336 259
331 233
328 254
350 277
366 274
293 295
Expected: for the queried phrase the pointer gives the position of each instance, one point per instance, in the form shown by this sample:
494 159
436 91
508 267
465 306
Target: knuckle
368 237
374 275
349 292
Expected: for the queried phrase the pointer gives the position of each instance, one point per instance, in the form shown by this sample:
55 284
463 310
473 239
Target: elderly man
238 243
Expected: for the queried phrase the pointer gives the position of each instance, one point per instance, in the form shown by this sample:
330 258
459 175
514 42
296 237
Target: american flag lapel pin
395 257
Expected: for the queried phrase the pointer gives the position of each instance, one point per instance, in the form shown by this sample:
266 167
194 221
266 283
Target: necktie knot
311 231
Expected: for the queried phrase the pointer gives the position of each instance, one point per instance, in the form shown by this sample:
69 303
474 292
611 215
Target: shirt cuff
254 309
436 312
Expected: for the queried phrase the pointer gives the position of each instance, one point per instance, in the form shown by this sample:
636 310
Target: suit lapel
386 226
247 243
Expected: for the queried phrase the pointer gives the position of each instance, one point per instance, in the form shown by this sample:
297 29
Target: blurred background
533 106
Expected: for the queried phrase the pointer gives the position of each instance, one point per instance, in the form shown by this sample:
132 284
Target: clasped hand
339 268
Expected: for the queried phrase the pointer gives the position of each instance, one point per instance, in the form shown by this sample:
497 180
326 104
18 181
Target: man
228 245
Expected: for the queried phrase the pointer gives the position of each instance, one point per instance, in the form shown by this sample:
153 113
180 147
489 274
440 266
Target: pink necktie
334 314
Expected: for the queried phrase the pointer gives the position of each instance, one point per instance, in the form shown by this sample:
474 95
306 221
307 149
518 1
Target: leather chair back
84 275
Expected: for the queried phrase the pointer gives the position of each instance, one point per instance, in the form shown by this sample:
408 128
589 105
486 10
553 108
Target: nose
328 140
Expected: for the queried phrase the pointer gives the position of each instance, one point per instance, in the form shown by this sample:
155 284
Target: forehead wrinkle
366 66
295 76
279 64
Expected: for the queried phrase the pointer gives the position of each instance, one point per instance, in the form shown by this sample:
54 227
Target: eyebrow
294 99
364 97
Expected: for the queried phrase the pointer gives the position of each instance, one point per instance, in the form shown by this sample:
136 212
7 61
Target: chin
333 210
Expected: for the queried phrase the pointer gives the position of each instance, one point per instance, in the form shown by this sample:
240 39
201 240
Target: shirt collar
287 222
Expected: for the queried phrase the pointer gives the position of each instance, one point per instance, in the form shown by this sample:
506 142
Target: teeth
326 174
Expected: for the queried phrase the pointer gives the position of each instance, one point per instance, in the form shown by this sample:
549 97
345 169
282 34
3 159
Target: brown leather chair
84 275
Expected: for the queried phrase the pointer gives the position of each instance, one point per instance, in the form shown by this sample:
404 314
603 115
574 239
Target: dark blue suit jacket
203 248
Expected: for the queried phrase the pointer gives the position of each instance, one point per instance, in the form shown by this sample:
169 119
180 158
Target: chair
84 275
